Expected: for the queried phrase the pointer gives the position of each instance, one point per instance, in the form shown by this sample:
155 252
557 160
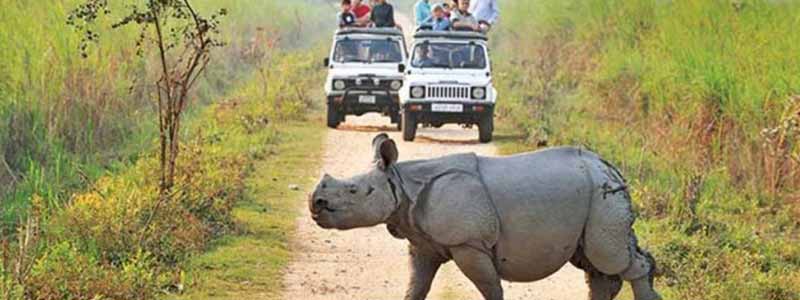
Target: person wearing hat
437 21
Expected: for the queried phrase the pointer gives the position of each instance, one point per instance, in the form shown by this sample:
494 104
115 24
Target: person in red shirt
362 12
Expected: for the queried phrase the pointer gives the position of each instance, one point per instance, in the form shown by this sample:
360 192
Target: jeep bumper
359 102
449 112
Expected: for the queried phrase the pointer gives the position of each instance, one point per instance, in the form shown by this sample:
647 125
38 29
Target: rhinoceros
517 218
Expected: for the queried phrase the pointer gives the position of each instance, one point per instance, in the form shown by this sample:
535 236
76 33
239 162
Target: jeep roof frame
451 35
369 31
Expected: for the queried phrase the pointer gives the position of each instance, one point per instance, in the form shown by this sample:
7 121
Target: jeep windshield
368 51
449 56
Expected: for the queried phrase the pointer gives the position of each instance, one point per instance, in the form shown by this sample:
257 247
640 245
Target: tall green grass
77 145
65 121
696 100
63 116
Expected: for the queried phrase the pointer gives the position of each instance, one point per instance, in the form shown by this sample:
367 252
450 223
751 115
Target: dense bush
696 100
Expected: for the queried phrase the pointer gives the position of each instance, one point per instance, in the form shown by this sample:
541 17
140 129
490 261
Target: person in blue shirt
422 11
437 21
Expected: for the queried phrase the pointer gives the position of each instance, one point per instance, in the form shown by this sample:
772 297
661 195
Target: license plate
441 107
366 99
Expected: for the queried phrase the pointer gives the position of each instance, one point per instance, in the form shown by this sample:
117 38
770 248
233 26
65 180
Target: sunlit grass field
696 101
67 120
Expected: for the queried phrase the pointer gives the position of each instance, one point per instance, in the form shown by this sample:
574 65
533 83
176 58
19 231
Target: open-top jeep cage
363 73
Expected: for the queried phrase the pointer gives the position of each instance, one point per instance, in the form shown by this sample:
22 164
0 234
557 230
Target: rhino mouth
317 215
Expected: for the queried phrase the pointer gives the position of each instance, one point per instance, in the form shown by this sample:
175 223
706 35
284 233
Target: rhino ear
385 151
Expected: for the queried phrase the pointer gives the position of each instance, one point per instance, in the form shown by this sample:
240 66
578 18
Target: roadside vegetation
697 102
78 147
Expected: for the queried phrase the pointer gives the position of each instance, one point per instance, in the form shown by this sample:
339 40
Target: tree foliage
182 40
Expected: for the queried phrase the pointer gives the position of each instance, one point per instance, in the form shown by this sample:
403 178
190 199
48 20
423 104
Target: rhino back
542 199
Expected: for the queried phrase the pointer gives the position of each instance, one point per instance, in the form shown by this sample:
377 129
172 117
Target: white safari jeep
448 80
363 73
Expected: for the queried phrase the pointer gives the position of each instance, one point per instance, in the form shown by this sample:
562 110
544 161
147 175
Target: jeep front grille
454 93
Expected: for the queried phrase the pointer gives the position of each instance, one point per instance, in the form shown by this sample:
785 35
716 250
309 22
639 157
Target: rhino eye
370 190
353 189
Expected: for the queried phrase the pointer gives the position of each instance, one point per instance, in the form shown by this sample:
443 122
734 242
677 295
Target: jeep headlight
339 85
396 85
418 92
479 93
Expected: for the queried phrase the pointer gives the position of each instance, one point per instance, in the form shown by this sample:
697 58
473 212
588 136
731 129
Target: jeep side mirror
326 62
401 68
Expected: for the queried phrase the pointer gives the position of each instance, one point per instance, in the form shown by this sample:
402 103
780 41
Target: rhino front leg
480 269
423 269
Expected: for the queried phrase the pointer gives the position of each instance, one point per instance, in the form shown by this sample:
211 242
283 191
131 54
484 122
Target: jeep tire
409 125
397 120
486 128
334 118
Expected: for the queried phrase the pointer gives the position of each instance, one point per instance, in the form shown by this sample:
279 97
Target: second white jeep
448 80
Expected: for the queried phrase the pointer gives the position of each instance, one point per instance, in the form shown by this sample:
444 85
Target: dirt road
368 264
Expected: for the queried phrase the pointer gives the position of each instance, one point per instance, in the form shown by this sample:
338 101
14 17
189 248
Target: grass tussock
697 101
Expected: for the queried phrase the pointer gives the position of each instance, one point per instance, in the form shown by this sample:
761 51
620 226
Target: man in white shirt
486 11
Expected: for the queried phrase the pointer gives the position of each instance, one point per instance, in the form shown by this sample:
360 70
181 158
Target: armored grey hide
518 218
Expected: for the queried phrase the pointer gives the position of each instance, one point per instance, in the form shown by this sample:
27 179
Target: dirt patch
366 128
430 140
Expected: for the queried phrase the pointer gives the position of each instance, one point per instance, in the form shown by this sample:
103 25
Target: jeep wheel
397 120
409 125
485 129
333 117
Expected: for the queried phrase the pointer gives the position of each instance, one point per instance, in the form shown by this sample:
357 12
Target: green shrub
9 288
65 272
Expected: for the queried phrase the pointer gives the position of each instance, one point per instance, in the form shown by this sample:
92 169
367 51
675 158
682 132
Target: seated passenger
462 19
362 13
437 21
424 58
346 17
383 14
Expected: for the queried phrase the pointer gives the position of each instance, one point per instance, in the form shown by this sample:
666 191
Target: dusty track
368 264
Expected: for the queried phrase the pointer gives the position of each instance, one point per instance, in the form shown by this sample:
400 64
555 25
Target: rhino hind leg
641 273
609 242
601 286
